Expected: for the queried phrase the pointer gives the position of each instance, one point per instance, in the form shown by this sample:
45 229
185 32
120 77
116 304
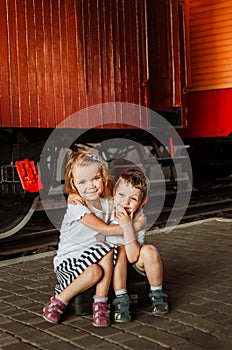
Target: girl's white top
76 237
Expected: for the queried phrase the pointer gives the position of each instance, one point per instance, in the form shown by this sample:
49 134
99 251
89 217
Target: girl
83 258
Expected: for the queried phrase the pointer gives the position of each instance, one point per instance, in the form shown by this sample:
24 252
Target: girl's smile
88 181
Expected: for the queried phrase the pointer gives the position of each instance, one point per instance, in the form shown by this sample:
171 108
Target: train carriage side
208 88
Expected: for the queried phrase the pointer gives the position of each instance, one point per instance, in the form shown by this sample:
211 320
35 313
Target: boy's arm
74 198
132 247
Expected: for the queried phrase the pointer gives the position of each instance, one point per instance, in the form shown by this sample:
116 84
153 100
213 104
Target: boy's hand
75 199
122 216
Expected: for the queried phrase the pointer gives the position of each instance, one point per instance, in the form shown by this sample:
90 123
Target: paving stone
195 309
7 309
110 346
187 346
13 327
18 346
27 318
65 332
130 341
92 342
221 318
163 338
196 322
7 339
60 345
36 337
206 341
140 343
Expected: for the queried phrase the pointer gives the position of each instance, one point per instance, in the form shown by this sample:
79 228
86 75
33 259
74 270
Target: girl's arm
92 221
96 224
132 247
140 221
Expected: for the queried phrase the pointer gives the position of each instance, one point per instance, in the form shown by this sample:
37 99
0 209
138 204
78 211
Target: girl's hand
140 220
75 199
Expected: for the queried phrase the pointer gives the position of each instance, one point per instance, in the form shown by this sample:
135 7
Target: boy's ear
144 202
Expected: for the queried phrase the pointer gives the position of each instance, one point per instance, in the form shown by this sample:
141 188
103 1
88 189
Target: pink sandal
53 311
101 314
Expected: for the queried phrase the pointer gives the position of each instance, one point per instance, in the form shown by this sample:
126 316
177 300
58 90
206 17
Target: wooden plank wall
164 54
60 56
209 24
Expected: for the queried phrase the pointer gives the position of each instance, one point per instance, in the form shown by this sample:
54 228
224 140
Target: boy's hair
84 157
136 178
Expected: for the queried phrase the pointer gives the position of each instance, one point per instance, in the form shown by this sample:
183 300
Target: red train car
60 57
207 98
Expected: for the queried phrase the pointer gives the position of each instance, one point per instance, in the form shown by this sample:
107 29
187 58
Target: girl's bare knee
95 272
121 250
108 257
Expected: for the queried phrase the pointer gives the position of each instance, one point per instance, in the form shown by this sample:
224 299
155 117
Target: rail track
39 235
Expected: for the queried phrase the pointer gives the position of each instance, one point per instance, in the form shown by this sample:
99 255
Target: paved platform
198 279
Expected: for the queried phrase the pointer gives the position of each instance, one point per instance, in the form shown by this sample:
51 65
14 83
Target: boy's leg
101 313
150 262
122 301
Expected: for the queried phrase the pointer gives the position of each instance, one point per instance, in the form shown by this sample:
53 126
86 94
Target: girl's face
88 181
128 197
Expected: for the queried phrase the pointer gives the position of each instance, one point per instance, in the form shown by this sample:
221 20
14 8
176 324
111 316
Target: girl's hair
84 157
136 178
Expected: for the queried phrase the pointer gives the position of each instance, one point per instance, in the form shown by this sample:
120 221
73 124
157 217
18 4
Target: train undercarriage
210 159
120 148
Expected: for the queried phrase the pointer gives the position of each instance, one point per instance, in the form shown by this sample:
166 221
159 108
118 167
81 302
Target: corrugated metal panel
60 56
209 23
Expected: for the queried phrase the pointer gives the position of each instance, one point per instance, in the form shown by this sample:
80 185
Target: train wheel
15 213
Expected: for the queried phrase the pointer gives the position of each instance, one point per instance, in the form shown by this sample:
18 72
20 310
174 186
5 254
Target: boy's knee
149 251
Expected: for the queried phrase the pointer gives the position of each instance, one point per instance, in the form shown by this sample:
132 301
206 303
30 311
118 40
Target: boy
130 194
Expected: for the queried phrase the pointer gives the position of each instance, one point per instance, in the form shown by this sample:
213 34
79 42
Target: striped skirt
71 268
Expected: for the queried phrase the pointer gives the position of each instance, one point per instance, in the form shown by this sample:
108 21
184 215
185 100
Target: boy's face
128 197
88 181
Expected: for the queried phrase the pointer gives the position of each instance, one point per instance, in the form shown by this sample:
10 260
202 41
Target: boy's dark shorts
141 272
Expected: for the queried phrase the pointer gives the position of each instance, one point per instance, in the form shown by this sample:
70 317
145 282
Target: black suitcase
137 288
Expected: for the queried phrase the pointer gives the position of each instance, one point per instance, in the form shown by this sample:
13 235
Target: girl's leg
101 313
120 270
121 302
86 280
106 263
54 309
